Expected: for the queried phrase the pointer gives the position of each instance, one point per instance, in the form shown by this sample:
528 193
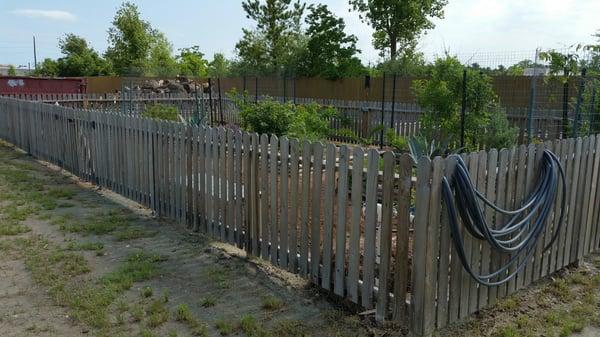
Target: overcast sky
484 31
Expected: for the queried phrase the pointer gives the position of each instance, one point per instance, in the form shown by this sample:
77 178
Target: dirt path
78 262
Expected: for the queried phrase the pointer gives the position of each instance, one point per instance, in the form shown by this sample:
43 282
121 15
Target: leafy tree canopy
331 53
191 62
398 23
219 66
130 41
273 44
79 58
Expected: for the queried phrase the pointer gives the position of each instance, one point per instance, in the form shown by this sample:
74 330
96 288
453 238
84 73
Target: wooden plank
477 245
467 283
208 161
490 193
419 268
354 251
202 179
274 196
229 200
401 265
529 184
264 196
294 180
340 229
549 257
283 239
575 146
578 183
315 233
328 202
246 178
253 195
386 236
304 221
596 216
222 183
368 264
510 204
238 160
589 197
519 197
563 231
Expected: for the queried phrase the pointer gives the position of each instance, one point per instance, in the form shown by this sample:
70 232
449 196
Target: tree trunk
393 47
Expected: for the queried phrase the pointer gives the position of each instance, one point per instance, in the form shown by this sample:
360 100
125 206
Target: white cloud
57 15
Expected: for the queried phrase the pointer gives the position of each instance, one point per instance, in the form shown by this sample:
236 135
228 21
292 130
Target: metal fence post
210 100
393 102
592 127
580 90
382 112
532 96
220 101
256 89
463 108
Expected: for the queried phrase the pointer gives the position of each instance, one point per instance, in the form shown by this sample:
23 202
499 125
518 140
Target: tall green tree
191 62
330 52
272 46
48 68
130 41
79 58
219 66
161 61
398 23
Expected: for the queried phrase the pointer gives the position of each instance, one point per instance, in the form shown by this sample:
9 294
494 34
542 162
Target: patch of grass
85 246
184 315
157 314
224 327
12 228
251 327
218 275
147 292
208 301
61 193
146 333
510 303
133 233
98 224
289 328
508 331
271 303
137 313
138 267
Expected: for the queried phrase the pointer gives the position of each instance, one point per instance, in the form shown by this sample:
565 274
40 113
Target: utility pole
34 55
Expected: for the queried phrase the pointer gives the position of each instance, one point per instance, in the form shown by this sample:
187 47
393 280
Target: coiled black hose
520 234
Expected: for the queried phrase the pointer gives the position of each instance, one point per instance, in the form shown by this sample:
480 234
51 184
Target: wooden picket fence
354 221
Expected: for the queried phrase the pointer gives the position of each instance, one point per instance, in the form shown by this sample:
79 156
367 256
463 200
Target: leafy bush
498 133
441 98
161 111
309 121
399 143
266 116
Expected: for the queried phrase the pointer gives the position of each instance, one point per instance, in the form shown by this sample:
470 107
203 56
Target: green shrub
441 99
161 111
309 121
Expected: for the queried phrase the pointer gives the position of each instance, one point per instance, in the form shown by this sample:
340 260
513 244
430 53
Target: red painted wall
34 85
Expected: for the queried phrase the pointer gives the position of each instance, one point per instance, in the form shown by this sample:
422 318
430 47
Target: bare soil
217 282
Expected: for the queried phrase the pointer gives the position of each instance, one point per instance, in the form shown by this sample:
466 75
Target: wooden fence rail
342 217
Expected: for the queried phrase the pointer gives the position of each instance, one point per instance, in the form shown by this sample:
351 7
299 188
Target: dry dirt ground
76 261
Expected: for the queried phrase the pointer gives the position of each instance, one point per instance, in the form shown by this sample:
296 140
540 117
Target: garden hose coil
519 236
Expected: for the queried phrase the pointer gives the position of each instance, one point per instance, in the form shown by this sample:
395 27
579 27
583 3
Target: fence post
463 108
565 108
284 88
393 102
220 100
256 89
382 112
579 100
592 127
294 90
210 100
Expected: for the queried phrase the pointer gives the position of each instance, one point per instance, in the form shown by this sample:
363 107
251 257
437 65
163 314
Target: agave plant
420 146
